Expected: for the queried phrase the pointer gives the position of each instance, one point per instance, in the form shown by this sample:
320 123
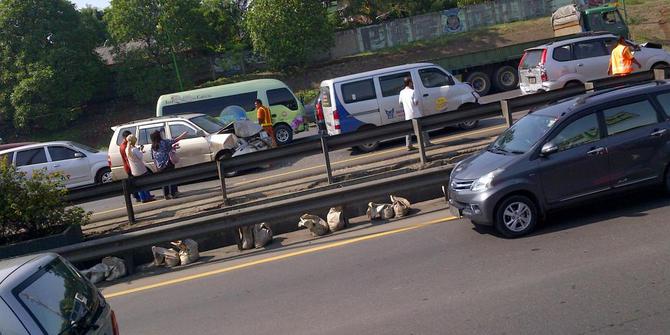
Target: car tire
516 216
506 78
368 147
480 81
103 176
283 134
469 124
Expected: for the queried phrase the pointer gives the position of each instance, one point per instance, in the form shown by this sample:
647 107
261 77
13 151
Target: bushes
34 207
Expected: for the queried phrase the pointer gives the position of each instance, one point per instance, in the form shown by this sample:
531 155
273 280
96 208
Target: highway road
308 164
599 269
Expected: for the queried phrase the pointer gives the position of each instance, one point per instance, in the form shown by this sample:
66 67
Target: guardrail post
659 74
418 132
506 112
326 157
222 178
126 197
589 87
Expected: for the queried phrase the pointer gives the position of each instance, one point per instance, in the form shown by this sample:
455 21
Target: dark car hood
482 163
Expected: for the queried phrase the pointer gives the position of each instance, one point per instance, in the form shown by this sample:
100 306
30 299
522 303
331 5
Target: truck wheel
480 82
283 134
506 78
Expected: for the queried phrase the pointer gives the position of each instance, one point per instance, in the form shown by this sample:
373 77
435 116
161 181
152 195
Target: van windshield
523 135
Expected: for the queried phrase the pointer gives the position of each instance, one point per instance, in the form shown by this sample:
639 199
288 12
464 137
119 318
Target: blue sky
95 3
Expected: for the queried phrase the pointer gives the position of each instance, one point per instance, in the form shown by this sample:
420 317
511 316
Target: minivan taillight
109 161
115 325
544 57
543 72
336 119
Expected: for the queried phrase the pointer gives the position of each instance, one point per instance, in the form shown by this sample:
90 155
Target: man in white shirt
409 100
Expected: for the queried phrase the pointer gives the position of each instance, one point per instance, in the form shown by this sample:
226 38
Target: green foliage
92 19
288 32
48 69
224 20
34 207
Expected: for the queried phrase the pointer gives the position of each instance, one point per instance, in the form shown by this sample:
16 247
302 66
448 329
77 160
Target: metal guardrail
324 145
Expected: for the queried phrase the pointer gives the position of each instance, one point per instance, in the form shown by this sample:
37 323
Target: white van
287 112
370 99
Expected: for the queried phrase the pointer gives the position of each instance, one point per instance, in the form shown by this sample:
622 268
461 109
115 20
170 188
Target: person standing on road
265 120
135 160
409 100
124 158
163 152
622 59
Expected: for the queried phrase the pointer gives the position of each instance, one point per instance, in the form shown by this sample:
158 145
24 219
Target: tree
48 68
288 32
224 19
92 19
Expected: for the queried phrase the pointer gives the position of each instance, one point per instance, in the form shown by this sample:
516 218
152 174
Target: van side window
358 91
581 131
145 134
626 117
434 78
393 84
214 106
177 129
59 153
31 157
282 96
120 138
589 49
563 53
664 100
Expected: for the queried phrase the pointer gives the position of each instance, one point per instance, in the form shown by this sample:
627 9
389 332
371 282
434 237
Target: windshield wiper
497 149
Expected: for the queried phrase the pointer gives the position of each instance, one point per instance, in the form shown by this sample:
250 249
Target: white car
82 164
579 60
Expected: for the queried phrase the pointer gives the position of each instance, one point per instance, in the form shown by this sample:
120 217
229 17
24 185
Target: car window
358 91
563 53
9 157
581 131
392 85
610 44
664 100
590 49
433 77
325 96
611 17
177 129
524 134
282 97
119 138
207 123
531 58
59 153
630 116
31 157
145 134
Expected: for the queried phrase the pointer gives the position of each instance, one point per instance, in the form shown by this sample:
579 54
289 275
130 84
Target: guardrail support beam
326 157
129 203
222 178
659 74
506 112
418 132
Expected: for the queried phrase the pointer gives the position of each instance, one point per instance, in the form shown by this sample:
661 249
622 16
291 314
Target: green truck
496 69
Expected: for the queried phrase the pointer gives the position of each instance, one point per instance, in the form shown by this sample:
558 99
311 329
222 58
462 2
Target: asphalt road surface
598 269
116 204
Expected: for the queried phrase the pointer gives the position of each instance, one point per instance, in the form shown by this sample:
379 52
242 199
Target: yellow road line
276 258
321 166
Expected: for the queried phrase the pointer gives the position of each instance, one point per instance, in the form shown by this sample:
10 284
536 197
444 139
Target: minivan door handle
425 95
659 132
580 64
597 151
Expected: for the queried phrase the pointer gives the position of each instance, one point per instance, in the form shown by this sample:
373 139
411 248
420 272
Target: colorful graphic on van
348 122
440 104
390 114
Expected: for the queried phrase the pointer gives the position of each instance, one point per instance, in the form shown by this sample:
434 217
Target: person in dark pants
124 157
164 154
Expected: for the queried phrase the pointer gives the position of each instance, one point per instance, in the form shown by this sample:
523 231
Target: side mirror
200 133
548 149
78 155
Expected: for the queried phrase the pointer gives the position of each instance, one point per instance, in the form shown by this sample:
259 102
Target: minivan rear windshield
523 135
531 59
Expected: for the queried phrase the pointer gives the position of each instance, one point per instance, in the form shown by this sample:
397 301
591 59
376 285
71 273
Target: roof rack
582 99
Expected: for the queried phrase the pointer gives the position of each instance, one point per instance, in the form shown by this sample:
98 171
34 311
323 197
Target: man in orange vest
265 120
622 60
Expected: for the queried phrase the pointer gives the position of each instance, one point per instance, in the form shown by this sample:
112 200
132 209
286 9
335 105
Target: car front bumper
476 206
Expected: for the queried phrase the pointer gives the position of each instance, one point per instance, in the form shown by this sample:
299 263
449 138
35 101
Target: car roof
156 119
243 86
10 265
36 145
578 38
378 72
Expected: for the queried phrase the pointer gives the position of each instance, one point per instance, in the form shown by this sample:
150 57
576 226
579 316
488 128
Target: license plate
531 80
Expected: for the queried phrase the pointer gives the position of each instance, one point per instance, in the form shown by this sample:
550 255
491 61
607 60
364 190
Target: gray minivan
45 294
570 151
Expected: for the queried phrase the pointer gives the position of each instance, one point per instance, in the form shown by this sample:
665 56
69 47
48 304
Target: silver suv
565 153
579 60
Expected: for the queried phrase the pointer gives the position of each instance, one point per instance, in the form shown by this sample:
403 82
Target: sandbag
315 224
380 211
167 257
336 219
96 273
247 237
117 268
188 251
262 235
401 206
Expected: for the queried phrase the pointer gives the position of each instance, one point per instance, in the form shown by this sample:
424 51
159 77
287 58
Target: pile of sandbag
399 207
256 236
335 220
109 269
186 253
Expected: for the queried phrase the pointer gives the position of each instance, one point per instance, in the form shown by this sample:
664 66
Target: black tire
283 134
506 78
470 124
103 176
223 154
659 65
369 147
480 81
516 216
573 83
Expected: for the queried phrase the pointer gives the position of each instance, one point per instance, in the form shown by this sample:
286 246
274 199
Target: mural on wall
373 37
400 31
452 21
426 26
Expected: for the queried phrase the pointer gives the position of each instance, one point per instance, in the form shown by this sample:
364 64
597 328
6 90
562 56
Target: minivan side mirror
548 149
200 133
78 155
